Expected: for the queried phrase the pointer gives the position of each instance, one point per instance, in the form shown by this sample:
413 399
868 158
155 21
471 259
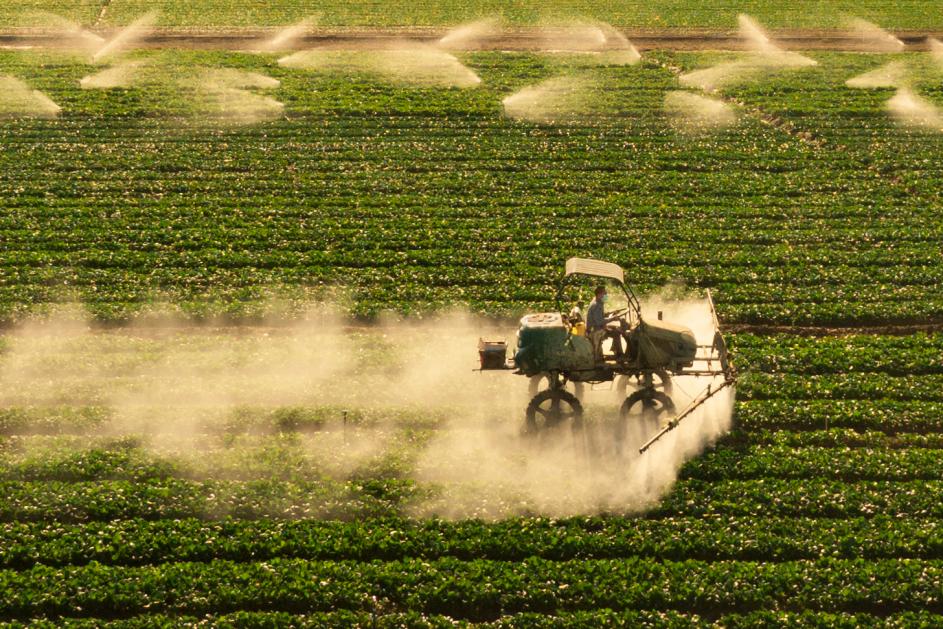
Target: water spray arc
405 62
127 38
74 34
696 113
287 37
889 75
763 59
911 110
874 38
19 100
566 97
472 35
554 100
124 74
906 107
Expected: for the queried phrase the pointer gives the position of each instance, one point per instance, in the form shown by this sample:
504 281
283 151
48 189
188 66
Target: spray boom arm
718 353
705 395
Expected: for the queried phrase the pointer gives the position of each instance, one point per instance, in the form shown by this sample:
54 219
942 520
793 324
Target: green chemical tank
544 344
664 345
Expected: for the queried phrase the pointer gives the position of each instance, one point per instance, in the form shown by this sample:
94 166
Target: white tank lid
543 320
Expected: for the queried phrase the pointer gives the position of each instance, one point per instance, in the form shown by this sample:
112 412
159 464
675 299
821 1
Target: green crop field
372 188
190 436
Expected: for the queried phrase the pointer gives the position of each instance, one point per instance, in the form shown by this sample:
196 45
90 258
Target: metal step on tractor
560 355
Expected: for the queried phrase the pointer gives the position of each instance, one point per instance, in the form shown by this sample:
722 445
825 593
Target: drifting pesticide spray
19 100
493 472
178 388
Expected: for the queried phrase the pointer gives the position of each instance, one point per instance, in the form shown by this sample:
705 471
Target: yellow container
578 329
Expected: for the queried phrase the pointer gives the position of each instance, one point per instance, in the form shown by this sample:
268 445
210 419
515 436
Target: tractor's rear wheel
644 406
538 383
553 408
661 381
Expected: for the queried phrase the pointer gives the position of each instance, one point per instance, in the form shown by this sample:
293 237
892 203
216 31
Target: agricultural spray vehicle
560 357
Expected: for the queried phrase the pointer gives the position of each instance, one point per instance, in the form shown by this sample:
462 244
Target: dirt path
520 39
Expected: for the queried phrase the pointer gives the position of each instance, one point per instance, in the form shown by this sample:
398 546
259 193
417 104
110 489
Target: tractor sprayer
613 345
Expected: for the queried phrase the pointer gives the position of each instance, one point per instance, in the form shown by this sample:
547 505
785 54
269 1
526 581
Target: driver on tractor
600 327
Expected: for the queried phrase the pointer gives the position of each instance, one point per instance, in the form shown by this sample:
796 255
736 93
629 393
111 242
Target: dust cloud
19 100
178 387
404 62
557 99
692 113
910 110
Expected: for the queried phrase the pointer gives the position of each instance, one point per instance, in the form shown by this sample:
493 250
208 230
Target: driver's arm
616 314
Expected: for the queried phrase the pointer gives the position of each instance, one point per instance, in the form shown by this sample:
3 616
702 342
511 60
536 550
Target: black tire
645 405
662 382
552 409
541 382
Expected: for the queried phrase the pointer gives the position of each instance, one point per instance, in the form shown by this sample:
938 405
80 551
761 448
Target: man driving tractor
600 327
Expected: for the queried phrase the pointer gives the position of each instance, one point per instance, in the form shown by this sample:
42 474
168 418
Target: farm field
238 320
784 520
127 201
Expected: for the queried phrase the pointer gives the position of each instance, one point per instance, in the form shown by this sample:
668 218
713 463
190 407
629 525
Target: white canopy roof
597 268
